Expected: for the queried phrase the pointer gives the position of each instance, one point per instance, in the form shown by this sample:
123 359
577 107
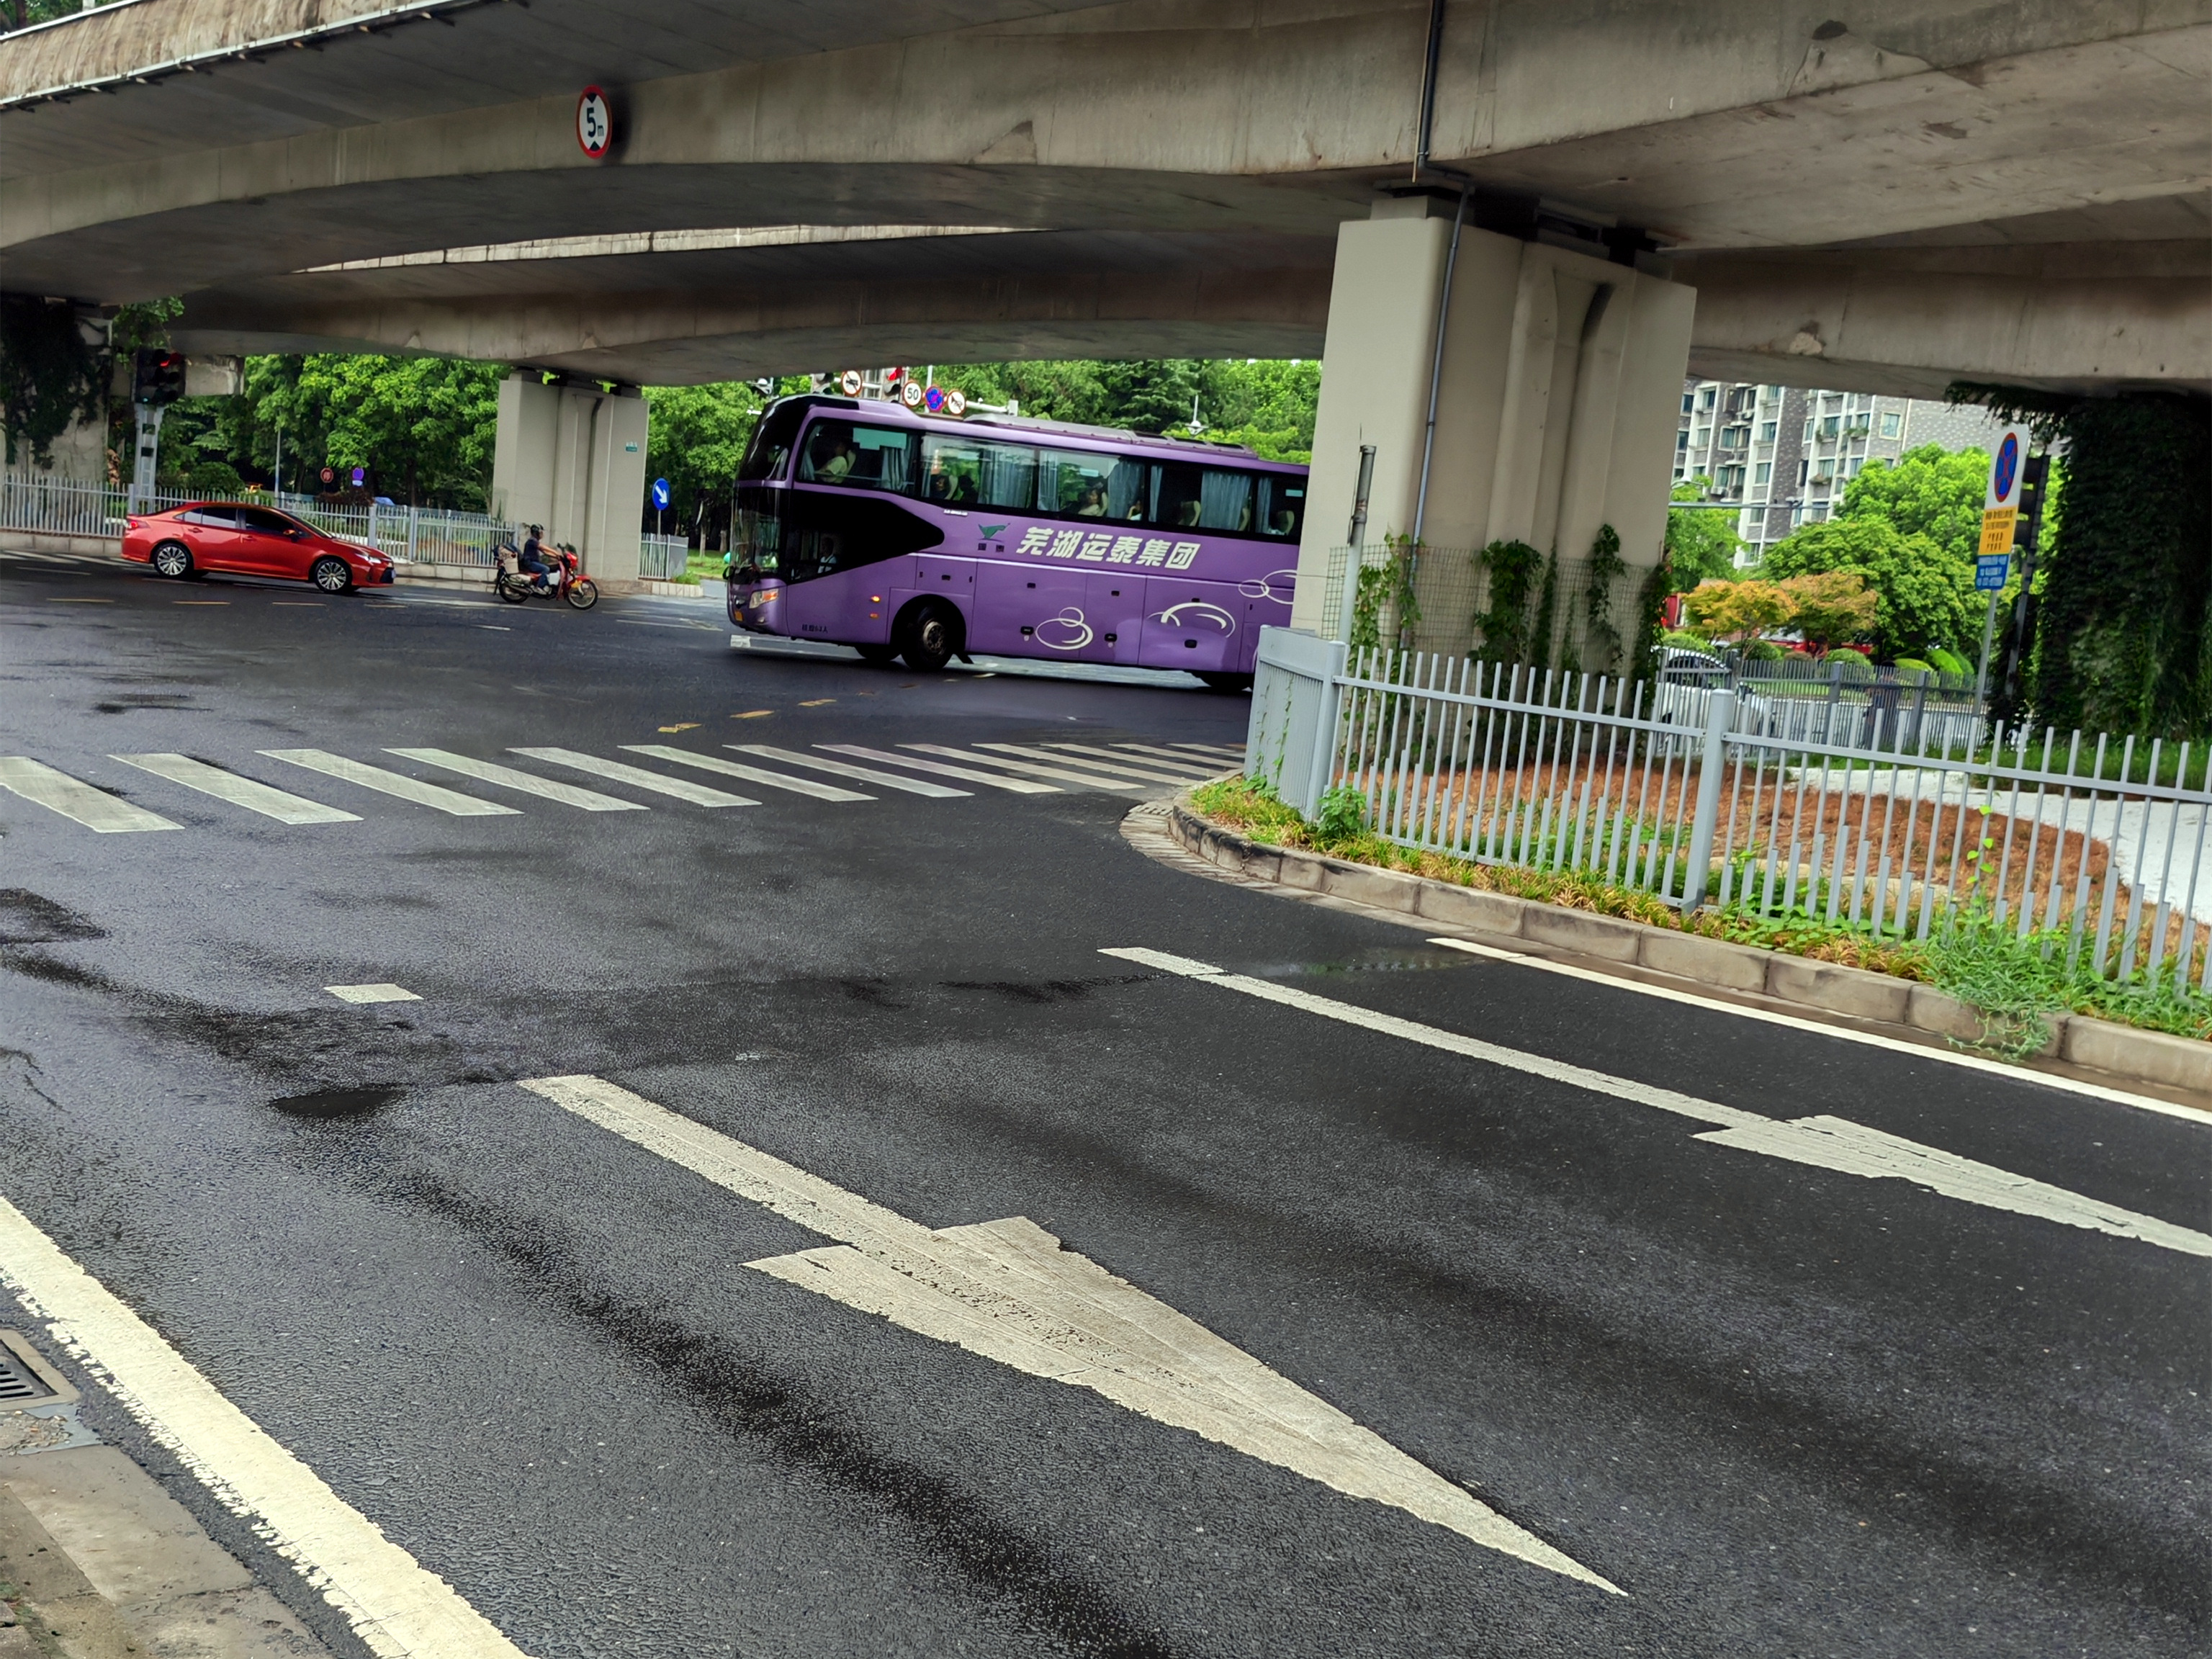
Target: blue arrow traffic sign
660 493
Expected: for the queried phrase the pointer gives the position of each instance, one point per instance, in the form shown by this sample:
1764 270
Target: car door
212 533
265 540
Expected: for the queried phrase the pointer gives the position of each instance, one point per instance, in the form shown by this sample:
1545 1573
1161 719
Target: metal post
149 451
1356 541
1981 673
1435 375
1720 716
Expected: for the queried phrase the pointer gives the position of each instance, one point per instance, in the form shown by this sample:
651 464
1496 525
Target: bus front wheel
929 636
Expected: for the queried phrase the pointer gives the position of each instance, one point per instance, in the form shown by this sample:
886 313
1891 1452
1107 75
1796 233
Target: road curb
2120 1053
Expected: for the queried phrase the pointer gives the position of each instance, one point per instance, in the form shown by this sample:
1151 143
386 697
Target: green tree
1929 492
695 436
1923 594
49 374
1702 545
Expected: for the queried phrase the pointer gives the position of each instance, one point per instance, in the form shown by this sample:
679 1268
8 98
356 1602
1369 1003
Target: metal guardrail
662 558
2098 846
411 535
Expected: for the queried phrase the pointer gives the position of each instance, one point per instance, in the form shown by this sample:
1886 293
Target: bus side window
1091 487
1282 507
858 457
964 473
1186 497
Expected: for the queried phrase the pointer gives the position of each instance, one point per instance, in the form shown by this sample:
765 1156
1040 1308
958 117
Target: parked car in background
1686 681
250 541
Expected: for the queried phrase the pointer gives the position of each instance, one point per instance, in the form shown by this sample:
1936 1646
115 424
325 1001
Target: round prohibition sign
2006 473
595 123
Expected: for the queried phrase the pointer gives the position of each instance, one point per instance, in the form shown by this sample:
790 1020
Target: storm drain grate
18 1382
25 1379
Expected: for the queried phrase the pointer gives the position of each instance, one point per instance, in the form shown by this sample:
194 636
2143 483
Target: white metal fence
2095 846
411 535
662 558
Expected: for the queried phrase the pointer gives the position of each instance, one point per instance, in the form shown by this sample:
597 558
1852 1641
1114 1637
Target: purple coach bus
905 535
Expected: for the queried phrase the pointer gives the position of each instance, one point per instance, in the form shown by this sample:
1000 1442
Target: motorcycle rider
532 558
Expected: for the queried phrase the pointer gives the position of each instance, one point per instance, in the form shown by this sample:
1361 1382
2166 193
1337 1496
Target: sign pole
1988 638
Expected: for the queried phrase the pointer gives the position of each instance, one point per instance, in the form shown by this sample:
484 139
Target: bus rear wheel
929 636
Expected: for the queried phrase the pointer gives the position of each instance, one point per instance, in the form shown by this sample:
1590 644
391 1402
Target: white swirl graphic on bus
1071 621
1263 587
1173 616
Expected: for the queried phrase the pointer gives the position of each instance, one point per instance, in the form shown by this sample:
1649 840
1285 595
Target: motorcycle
517 585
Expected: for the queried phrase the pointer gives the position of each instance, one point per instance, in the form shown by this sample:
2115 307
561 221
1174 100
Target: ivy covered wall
2122 643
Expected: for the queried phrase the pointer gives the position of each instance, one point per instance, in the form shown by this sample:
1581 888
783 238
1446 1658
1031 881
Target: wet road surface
1786 1411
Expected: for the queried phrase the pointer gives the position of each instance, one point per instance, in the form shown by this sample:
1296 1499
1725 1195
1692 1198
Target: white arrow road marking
1827 1143
1007 1290
396 1607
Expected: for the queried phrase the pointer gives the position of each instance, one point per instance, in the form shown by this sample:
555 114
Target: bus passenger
1094 500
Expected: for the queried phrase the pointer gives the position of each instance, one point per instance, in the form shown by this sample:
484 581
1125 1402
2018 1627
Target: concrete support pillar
1556 410
572 460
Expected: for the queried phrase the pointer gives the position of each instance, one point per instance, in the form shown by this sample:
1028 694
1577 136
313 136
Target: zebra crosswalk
832 775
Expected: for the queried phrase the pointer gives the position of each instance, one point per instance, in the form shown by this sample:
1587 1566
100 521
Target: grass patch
2019 985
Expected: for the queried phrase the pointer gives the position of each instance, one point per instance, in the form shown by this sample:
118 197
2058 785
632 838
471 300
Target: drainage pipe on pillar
1435 379
1355 539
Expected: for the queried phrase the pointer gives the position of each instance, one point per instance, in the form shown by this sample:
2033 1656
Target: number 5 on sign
2001 504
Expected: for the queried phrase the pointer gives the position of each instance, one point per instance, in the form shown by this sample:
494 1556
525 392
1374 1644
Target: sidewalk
96 1561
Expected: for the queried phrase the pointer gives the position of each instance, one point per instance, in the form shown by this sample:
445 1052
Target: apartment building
1786 452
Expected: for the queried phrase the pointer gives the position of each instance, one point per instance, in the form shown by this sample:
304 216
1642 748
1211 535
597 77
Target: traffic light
157 377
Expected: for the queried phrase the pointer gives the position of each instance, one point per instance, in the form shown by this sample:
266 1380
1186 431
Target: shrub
1685 638
1763 651
1950 662
1851 664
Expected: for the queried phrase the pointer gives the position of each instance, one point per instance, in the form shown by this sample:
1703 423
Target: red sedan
252 541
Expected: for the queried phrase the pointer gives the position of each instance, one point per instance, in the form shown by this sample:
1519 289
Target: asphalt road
1790 1413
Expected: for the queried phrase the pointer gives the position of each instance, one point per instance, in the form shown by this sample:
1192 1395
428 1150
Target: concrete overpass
1914 191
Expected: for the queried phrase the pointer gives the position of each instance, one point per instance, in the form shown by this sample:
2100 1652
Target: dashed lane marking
1060 775
1014 786
272 803
57 792
1827 1143
386 992
507 777
847 769
637 777
396 1607
1010 1291
391 783
752 774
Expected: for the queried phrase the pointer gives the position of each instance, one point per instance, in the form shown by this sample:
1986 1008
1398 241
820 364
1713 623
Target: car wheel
174 560
330 574
932 635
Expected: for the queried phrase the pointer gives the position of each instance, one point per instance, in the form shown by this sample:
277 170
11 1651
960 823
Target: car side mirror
298 535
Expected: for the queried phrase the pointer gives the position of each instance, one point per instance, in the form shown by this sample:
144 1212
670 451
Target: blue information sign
660 493
1990 572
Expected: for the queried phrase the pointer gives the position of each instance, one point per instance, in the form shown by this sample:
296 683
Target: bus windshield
772 440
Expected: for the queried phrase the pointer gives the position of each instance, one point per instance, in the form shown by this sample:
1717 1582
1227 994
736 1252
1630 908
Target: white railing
411 535
2099 848
662 558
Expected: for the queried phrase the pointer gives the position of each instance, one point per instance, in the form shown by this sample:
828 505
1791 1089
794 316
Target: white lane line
384 991
1031 769
398 1608
1841 1033
1827 1143
1013 785
57 792
1211 750
391 783
1008 1291
847 769
272 803
529 783
752 774
637 777
1113 766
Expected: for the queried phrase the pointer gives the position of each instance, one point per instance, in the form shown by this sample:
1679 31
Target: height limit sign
2001 504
